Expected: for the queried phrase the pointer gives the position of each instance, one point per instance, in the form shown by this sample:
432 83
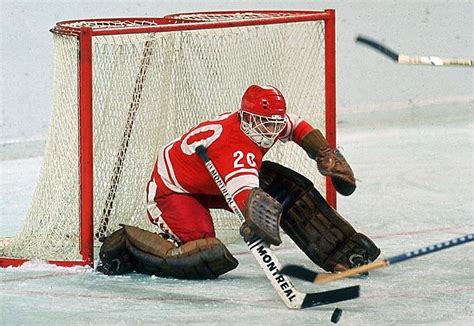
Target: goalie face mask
262 130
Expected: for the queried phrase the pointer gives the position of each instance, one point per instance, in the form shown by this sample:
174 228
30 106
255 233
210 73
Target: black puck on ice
336 315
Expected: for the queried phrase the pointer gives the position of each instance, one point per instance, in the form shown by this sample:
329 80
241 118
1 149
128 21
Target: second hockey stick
411 60
122 153
303 273
292 298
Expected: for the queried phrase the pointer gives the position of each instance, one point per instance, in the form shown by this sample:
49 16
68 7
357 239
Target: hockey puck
336 315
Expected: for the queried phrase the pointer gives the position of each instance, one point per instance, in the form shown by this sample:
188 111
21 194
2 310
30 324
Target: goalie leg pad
316 228
114 257
200 259
357 250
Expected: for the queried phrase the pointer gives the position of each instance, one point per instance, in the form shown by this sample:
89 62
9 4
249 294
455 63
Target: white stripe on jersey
151 204
293 122
190 149
155 213
240 171
166 171
242 182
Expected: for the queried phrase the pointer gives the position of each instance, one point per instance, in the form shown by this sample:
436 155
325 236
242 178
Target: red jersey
236 157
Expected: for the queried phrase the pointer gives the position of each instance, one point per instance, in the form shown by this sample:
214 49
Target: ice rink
412 152
415 172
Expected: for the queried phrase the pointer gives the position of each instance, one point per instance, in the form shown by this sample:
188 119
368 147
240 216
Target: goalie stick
303 273
292 298
411 60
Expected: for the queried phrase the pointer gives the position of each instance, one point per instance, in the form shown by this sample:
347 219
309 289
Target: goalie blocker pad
133 249
316 228
262 216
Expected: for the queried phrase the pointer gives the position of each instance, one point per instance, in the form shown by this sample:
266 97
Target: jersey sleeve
295 129
241 199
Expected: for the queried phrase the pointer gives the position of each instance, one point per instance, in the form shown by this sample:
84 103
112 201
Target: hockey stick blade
300 272
332 296
377 46
412 60
305 274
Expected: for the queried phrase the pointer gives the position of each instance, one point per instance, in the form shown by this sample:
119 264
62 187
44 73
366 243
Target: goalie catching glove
330 162
133 249
315 227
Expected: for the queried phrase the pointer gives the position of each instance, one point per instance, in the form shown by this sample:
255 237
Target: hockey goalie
181 193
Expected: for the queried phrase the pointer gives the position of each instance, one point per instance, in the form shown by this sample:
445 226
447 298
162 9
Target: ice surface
415 171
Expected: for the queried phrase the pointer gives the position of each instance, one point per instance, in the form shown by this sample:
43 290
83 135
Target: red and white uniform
181 191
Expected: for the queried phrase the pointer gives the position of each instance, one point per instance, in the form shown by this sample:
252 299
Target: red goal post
116 81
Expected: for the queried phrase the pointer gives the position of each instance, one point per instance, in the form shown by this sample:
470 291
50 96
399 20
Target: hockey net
150 81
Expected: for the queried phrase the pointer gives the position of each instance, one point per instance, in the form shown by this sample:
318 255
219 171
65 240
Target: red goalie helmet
264 101
262 114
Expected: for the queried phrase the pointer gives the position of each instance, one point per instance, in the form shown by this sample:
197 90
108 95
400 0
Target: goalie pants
182 217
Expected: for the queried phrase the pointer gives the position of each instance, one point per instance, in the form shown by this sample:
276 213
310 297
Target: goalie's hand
247 233
331 163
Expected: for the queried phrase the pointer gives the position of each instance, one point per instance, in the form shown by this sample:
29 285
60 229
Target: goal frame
168 23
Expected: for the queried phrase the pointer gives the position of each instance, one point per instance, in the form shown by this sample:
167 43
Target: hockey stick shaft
121 154
303 273
412 60
292 298
201 151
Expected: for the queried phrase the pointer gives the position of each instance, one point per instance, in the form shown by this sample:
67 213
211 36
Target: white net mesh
110 23
209 17
149 88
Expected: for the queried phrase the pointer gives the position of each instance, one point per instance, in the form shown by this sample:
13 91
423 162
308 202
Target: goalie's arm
330 161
